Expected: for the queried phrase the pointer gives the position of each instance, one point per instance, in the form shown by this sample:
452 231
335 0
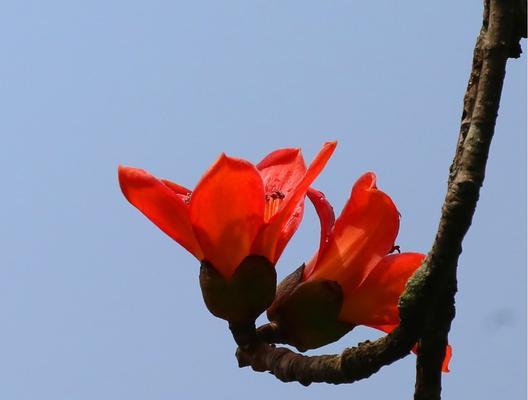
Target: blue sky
96 303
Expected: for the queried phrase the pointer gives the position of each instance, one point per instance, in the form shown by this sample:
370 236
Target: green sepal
306 313
245 296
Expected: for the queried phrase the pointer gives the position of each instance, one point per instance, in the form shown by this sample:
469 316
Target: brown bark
498 40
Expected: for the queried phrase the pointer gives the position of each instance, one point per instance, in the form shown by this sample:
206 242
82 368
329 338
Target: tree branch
498 40
433 286
353 364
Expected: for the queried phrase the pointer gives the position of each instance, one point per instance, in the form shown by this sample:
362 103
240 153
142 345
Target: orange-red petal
282 170
375 301
447 358
326 215
363 234
178 189
160 204
274 236
227 210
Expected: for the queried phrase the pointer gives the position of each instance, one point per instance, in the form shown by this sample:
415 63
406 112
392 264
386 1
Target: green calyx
243 297
306 312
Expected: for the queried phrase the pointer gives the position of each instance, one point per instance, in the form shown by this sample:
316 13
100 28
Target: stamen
273 201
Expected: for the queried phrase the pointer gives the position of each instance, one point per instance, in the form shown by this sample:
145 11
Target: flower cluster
240 217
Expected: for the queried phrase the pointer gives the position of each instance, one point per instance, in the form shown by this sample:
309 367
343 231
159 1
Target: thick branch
353 364
434 284
481 103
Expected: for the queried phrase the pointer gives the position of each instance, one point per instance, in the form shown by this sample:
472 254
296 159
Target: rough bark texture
431 290
498 40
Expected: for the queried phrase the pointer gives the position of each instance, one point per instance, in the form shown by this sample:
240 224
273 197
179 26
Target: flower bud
243 297
306 312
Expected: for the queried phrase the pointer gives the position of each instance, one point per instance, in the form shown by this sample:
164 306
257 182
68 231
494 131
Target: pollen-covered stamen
273 201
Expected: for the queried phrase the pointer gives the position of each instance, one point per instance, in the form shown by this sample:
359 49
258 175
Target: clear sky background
97 303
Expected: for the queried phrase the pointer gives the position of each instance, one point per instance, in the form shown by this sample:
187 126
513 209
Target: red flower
236 210
354 252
